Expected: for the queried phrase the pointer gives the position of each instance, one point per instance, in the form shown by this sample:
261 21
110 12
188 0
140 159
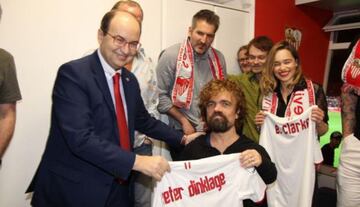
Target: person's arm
348 108
7 125
9 94
165 71
154 166
320 114
267 169
185 124
317 116
259 158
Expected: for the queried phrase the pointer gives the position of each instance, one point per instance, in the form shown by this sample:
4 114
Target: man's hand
250 158
176 114
191 137
154 166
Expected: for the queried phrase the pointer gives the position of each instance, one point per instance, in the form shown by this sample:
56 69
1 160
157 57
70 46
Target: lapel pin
127 79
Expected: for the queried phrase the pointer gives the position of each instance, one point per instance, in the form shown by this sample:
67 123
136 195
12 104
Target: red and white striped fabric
351 70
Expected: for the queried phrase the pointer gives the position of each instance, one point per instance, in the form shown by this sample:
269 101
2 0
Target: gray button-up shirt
166 73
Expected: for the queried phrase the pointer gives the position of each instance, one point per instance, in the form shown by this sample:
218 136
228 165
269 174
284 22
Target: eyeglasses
119 41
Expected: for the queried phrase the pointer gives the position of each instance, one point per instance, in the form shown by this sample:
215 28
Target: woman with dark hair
288 105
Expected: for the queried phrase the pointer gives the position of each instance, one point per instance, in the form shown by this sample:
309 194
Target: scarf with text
298 103
182 92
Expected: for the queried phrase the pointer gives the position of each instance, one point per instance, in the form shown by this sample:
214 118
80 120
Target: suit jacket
82 155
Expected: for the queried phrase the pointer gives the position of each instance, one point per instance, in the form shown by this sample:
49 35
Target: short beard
218 125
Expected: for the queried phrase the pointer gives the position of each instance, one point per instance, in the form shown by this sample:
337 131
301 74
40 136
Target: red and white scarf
182 92
298 103
351 70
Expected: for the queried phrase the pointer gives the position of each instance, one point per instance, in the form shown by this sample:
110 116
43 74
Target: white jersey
213 181
293 146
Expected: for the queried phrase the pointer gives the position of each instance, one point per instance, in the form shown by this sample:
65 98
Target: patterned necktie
120 115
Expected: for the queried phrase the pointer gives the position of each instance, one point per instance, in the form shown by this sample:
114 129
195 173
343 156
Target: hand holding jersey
214 181
295 136
296 112
233 159
189 138
317 115
154 166
250 158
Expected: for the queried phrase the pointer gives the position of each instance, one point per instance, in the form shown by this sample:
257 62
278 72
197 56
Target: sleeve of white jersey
318 157
258 187
253 186
265 136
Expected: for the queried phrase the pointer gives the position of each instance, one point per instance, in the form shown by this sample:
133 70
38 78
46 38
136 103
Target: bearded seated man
222 106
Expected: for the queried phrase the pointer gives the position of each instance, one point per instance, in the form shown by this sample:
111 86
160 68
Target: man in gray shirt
184 68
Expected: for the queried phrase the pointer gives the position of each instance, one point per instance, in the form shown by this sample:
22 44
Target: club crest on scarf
351 70
183 83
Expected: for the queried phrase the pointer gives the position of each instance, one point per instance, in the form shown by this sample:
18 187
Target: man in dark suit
83 164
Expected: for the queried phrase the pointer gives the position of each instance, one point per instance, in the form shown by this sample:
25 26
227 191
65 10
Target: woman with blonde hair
292 142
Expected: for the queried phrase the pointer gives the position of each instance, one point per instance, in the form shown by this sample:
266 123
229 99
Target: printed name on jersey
209 182
292 128
195 188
